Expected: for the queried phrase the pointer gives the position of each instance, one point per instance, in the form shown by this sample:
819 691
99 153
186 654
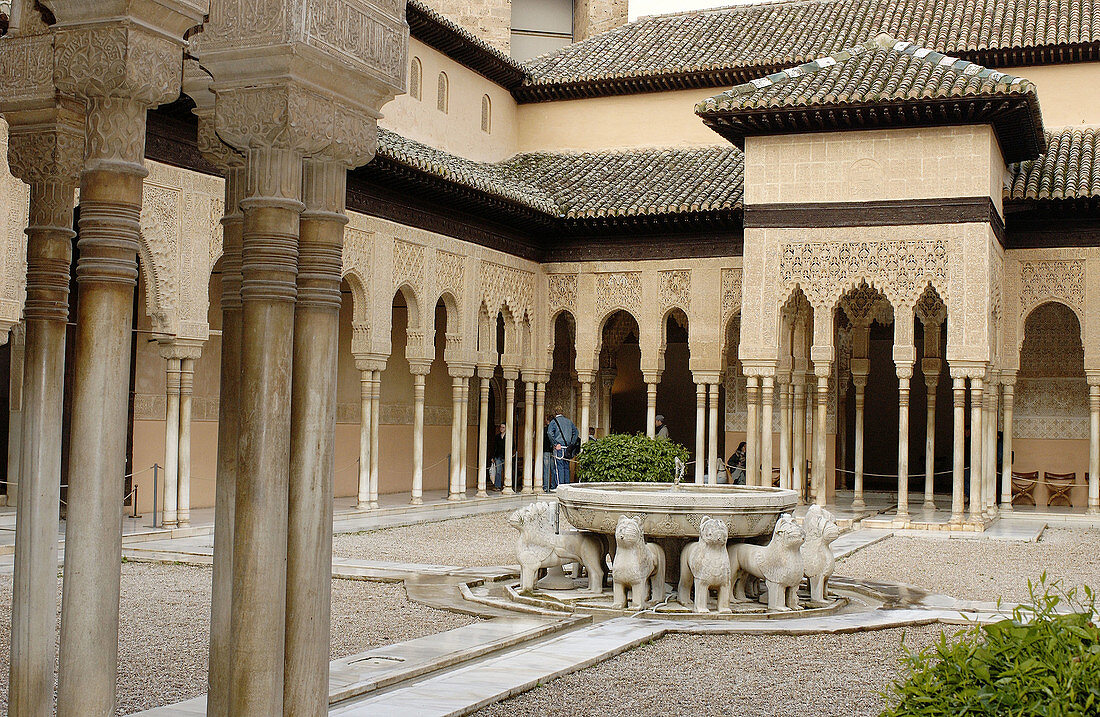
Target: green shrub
1045 660
636 458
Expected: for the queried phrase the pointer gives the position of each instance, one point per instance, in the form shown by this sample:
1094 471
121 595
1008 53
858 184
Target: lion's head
628 531
713 531
788 532
819 524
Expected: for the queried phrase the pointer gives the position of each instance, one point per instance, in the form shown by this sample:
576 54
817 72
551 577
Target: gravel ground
165 623
475 541
743 675
980 569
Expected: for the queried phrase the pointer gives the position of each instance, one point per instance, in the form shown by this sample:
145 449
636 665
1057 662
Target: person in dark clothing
736 465
496 467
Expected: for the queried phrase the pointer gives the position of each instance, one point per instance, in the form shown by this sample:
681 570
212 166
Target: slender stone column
484 374
931 370
859 380
821 407
752 431
651 381
509 422
958 467
811 444
989 457
464 437
48 158
905 373
1008 383
313 437
585 380
17 342
375 438
540 411
456 449
172 442
976 449
798 420
187 390
607 383
1094 443
700 431
784 381
767 400
366 389
110 202
419 371
529 434
712 442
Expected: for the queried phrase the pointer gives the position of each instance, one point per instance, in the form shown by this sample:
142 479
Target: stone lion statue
706 563
778 564
817 555
637 565
539 546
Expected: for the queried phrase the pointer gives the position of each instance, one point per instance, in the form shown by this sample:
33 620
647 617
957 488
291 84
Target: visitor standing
736 465
496 468
662 429
564 444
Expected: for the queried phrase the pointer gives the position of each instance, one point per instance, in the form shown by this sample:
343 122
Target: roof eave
429 29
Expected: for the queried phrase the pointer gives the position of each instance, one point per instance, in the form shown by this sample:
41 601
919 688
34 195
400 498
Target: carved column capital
420 368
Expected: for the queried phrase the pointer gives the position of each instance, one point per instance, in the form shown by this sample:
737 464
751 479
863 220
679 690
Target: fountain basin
665 511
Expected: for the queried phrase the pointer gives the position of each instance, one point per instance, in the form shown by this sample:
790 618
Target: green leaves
1044 660
636 458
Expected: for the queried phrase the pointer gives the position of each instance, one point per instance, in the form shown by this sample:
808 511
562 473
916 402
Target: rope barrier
892 475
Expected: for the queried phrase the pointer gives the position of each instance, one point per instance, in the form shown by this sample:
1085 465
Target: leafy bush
636 458
1045 660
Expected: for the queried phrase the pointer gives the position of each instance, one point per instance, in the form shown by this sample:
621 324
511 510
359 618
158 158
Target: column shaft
752 431
187 390
586 404
375 431
418 439
860 383
456 449
362 499
700 431
529 436
172 444
811 449
798 426
509 435
651 408
931 381
110 206
903 444
767 400
989 485
1006 460
225 485
785 433
976 448
34 590
540 411
269 266
821 408
712 445
464 435
1094 447
958 464
482 436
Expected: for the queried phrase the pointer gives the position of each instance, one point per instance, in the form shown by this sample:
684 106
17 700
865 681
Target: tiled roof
458 43
578 185
877 70
1070 169
769 35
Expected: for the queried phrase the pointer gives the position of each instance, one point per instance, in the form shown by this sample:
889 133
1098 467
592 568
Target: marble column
529 434
798 426
958 432
651 381
509 423
313 437
1094 443
700 431
456 449
977 403
375 437
767 401
540 411
859 380
607 382
419 370
989 455
784 382
811 445
931 370
117 95
905 374
464 439
752 430
1008 385
484 374
16 340
585 380
48 158
187 391
170 514
821 407
712 436
366 389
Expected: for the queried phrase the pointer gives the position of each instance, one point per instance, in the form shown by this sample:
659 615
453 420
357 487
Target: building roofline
439 33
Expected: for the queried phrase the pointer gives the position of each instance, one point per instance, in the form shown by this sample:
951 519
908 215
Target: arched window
486 114
416 78
442 101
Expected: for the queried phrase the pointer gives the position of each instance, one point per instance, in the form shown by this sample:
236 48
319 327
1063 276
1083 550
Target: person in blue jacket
564 445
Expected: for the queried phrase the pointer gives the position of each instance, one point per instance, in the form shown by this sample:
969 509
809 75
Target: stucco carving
507 286
731 293
561 293
408 264
619 290
674 288
357 250
160 227
1051 389
451 273
1057 279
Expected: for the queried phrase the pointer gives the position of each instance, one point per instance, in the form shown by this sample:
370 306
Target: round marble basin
674 512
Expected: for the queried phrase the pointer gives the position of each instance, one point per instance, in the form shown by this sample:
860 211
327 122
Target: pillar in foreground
859 380
783 380
651 381
821 407
419 371
1094 444
767 406
1008 386
752 431
958 433
509 428
171 441
976 448
366 388
375 431
798 430
187 391
905 374
528 434
456 436
47 154
540 411
700 431
586 379
931 370
484 374
712 432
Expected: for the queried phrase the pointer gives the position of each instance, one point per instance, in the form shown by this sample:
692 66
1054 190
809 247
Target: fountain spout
677 473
